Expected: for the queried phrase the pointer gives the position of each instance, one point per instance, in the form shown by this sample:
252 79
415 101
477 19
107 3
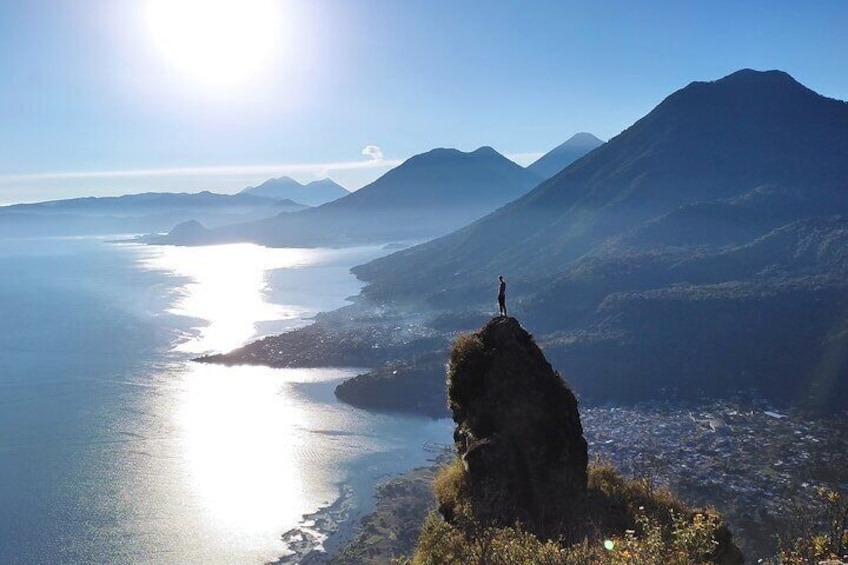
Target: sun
218 43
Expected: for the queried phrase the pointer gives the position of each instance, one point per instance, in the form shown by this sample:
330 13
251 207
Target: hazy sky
115 96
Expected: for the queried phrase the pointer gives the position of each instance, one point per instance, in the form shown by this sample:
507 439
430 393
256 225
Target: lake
115 447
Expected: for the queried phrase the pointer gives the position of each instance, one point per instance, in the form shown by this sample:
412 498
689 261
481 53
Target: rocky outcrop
522 468
518 431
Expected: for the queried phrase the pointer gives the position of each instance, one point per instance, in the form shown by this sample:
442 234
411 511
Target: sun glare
217 43
227 289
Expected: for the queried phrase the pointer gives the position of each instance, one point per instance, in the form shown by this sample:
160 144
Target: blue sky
95 102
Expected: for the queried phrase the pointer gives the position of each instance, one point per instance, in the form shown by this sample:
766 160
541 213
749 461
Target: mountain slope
563 155
706 142
700 251
426 196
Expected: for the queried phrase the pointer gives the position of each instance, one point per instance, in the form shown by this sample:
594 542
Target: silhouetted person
501 295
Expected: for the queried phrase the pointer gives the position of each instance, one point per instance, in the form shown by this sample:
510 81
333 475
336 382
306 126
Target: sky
104 97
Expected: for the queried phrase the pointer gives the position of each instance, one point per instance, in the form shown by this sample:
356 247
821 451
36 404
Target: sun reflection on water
238 459
227 289
237 426
256 449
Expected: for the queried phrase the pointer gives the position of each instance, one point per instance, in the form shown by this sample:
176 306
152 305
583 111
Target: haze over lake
297 282
116 448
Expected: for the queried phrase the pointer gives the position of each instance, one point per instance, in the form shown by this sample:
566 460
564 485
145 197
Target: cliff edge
518 432
521 489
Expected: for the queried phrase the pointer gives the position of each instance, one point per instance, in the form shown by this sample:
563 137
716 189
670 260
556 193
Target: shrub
450 487
658 529
615 502
685 542
819 539
467 358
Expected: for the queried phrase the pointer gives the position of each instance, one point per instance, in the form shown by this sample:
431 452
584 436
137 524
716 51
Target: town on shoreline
758 464
759 467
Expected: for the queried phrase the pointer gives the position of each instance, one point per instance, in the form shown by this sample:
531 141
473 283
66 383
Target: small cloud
373 152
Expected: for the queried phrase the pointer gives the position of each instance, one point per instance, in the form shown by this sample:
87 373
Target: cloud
374 161
373 152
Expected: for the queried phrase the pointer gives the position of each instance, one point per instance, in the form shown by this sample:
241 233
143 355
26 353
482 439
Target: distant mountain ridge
709 230
136 213
445 177
426 196
563 155
141 200
314 193
708 142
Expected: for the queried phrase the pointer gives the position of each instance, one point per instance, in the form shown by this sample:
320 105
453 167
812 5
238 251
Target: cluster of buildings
760 467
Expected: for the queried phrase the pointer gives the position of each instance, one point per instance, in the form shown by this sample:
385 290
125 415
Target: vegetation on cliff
821 538
624 521
521 489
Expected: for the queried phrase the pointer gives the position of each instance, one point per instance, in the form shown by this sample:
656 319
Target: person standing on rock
501 295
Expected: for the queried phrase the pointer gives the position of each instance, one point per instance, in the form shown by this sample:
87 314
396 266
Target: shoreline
713 457
401 504
405 361
330 534
313 541
748 461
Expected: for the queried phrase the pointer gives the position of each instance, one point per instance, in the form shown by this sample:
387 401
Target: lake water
114 447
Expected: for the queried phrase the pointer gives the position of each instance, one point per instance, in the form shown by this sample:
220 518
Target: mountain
428 195
700 251
442 179
753 142
563 155
130 203
146 212
285 188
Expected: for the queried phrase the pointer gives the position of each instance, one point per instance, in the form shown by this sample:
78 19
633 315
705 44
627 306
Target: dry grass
450 486
627 522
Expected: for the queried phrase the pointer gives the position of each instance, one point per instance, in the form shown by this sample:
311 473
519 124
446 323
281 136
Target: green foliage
450 486
616 502
466 352
442 543
467 358
684 542
819 540
631 522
